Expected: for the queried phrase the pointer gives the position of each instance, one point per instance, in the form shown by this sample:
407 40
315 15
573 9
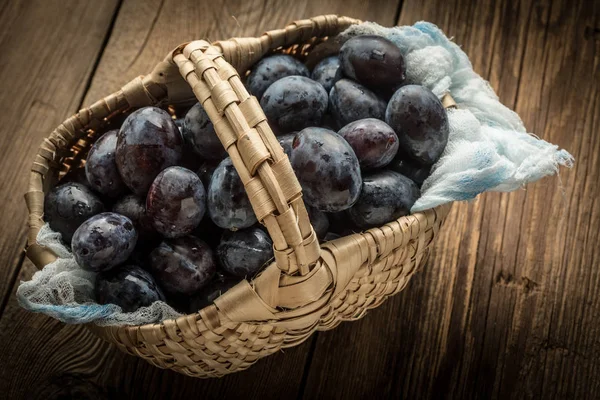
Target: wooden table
507 305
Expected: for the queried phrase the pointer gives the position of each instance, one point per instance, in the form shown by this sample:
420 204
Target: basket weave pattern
309 286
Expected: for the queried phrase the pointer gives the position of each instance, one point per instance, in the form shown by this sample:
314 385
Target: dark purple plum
68 206
319 221
210 293
101 168
407 167
243 253
294 102
228 204
270 69
182 266
373 141
148 142
199 133
327 72
176 202
327 169
385 196
134 208
373 61
129 287
420 121
350 101
286 142
103 242
206 171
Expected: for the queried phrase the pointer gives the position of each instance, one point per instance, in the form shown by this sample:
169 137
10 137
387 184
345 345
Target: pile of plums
161 213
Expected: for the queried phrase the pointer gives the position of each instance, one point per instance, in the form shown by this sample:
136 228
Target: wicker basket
309 286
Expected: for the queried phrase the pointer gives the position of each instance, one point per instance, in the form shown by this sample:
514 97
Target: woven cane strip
241 53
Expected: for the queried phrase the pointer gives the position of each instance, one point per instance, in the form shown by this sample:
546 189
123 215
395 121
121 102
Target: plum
103 242
409 168
350 101
69 205
373 61
271 69
228 204
327 169
129 287
182 266
176 202
199 133
134 208
385 196
327 72
243 253
101 169
293 103
420 121
148 142
374 142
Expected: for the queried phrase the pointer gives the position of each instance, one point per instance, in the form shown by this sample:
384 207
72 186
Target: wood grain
43 358
507 305
45 72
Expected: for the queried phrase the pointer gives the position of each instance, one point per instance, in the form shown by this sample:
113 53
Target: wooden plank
45 72
550 347
506 306
44 358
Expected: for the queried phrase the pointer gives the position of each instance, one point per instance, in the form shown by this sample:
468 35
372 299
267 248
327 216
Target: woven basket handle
241 125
